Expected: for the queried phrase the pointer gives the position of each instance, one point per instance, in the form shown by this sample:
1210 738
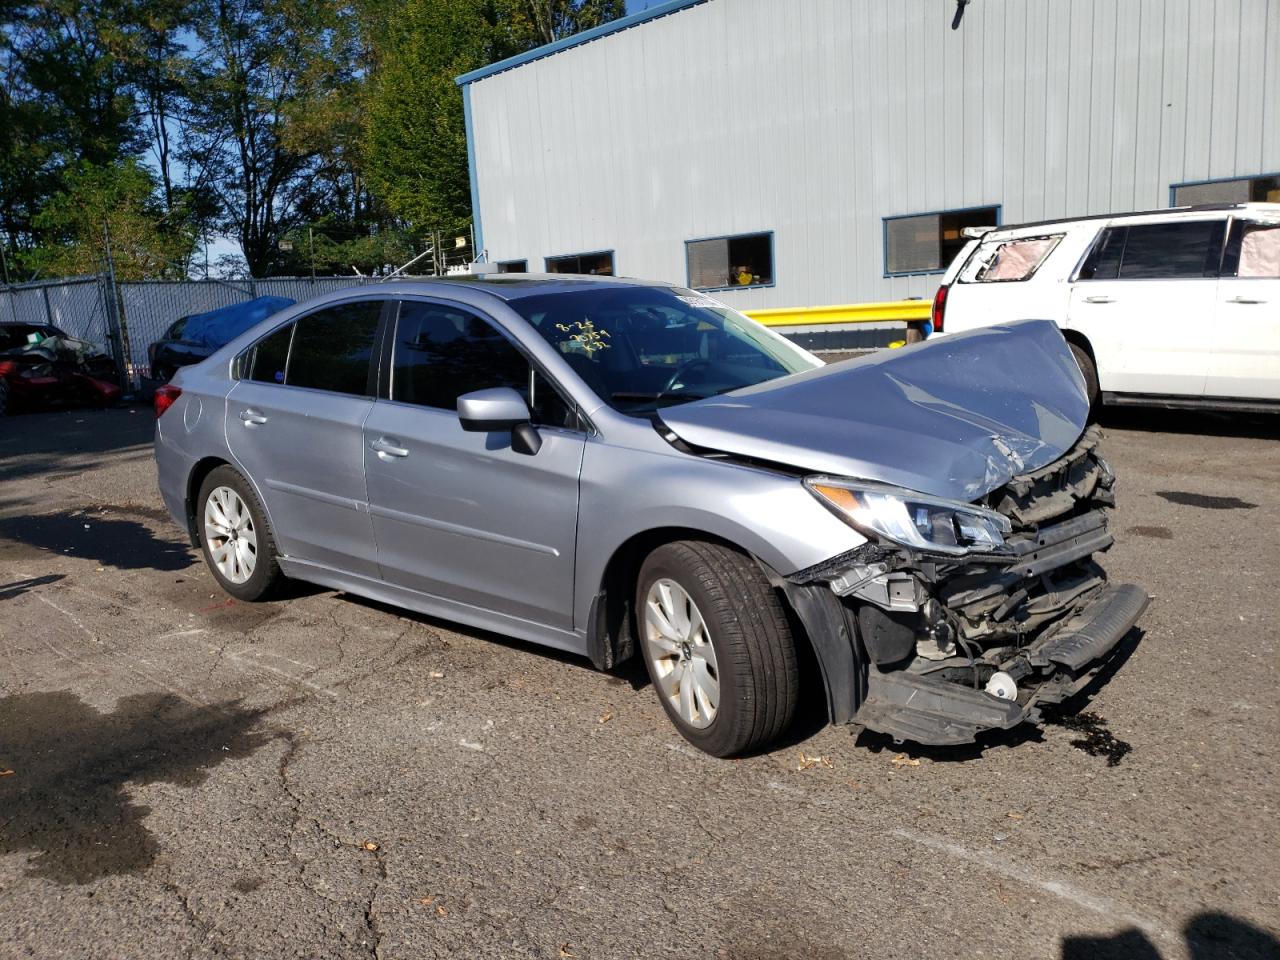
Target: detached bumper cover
911 706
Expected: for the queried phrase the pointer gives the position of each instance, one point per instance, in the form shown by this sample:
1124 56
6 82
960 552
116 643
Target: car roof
511 286
1167 213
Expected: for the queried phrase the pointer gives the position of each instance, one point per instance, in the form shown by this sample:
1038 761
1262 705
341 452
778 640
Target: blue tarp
223 325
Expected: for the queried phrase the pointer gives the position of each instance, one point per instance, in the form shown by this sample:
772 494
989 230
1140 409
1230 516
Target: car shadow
1259 426
112 542
38 444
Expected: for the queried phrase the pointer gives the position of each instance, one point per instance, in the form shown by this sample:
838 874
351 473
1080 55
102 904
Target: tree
415 140
118 205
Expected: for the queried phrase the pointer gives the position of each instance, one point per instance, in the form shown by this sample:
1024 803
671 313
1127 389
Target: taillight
939 308
166 395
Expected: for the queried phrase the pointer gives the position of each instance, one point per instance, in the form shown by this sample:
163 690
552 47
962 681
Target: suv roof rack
1197 207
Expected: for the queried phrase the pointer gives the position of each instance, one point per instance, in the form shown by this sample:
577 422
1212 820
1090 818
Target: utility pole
5 262
114 318
311 242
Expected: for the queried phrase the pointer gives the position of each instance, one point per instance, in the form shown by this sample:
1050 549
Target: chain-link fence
142 312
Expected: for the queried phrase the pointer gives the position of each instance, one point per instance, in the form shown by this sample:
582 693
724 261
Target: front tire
717 645
236 539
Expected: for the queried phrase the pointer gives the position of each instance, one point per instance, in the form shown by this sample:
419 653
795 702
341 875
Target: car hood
956 416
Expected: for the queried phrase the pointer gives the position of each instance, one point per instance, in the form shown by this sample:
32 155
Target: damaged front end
971 618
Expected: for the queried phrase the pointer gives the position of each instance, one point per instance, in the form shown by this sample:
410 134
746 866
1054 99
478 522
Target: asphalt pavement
182 775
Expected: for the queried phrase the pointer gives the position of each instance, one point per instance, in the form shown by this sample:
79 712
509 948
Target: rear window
332 348
1003 261
266 359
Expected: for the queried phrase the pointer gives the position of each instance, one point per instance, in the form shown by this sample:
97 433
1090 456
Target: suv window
1179 249
266 359
442 352
332 348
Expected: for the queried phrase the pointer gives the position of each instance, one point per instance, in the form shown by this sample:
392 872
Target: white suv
1172 308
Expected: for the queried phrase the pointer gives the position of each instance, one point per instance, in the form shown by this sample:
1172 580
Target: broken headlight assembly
912 520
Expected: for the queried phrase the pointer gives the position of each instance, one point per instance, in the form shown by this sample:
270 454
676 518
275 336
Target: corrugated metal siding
817 118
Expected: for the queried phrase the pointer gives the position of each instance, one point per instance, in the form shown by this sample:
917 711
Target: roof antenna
955 21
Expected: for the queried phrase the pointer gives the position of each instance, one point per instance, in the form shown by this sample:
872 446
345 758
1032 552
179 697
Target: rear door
1246 359
1146 297
461 515
295 423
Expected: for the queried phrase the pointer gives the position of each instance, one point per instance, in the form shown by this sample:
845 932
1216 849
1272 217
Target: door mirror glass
497 408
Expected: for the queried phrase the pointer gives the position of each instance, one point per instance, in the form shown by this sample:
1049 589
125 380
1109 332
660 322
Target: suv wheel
236 539
717 646
1090 371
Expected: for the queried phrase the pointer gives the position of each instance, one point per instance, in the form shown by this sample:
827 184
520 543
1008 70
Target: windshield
641 348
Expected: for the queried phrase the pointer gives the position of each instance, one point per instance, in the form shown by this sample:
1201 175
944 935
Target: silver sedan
611 467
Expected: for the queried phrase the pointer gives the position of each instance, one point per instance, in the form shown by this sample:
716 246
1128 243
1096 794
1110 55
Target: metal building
808 152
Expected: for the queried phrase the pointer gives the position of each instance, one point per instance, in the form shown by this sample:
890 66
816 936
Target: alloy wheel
230 534
679 649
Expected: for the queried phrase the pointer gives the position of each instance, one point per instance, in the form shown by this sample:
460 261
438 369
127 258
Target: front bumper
910 644
915 706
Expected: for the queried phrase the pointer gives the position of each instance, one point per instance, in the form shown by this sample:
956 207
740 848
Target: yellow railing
895 310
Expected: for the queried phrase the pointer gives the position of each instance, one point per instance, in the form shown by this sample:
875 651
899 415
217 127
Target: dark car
41 366
191 338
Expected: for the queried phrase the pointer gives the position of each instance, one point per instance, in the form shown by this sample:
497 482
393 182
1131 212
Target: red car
40 366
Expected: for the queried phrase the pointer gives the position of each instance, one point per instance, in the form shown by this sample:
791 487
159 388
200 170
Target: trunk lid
955 417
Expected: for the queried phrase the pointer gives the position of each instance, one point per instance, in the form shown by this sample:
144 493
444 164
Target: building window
719 262
513 266
928 242
595 264
1265 189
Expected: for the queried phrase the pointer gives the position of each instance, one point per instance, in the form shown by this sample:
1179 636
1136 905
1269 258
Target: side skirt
433 606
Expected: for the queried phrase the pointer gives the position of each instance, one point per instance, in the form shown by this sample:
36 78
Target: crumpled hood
956 416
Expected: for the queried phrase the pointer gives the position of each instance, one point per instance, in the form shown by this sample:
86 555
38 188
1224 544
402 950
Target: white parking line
1102 905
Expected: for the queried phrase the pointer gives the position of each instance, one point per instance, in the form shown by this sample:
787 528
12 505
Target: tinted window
1239 190
1103 262
332 348
442 352
267 357
1172 250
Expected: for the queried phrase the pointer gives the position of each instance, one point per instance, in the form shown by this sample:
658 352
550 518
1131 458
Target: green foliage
117 205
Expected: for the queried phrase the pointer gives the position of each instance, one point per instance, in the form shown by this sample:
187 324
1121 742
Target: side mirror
499 409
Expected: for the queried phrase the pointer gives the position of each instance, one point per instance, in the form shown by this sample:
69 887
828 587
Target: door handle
1098 300
1245 300
252 417
388 447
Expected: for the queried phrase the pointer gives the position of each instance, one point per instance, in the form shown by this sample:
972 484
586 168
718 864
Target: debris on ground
606 717
370 845
902 760
565 951
435 674
6 773
807 762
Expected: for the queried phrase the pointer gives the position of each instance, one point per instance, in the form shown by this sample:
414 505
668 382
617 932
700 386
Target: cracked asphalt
323 777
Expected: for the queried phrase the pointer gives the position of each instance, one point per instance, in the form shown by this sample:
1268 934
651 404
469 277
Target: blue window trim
884 235
471 173
773 262
1173 187
586 36
613 258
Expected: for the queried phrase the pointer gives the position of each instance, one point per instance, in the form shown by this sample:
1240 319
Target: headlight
911 519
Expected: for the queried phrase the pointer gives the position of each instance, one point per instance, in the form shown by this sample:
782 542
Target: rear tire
235 537
1090 371
745 686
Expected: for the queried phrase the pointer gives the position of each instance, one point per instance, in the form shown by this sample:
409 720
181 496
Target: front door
1146 298
461 515
1246 357
295 424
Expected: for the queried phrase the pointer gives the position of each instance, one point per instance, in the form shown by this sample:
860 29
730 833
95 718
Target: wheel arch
819 625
